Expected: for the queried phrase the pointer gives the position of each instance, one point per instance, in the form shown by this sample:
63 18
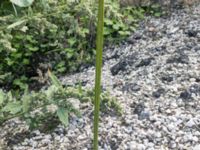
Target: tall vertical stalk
99 51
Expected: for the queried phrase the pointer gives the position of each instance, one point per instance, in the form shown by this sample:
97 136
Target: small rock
144 115
185 95
195 139
145 62
150 144
139 108
120 66
192 33
181 58
190 123
137 35
195 88
158 93
173 145
197 147
158 135
123 64
132 145
167 78
131 87
197 48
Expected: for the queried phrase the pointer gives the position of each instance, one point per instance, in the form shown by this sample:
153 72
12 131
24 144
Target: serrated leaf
22 3
13 107
62 114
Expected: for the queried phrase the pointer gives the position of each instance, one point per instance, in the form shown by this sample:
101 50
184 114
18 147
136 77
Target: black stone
144 115
185 95
158 93
137 36
197 79
131 87
195 88
183 59
167 78
197 48
192 33
123 64
139 109
144 62
130 41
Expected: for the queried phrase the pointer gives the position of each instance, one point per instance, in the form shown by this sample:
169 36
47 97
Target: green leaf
26 99
158 14
132 28
26 61
12 107
108 22
20 82
54 79
22 3
107 31
116 26
70 52
63 115
14 25
4 76
33 49
72 41
1 96
125 33
26 103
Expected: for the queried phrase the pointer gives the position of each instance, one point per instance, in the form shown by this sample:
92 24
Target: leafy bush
52 104
55 34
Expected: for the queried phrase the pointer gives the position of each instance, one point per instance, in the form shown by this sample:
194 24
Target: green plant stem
16 14
20 114
99 44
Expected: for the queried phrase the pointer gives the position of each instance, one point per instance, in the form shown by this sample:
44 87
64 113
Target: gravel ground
155 74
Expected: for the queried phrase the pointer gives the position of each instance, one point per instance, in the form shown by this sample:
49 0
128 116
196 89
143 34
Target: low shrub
59 35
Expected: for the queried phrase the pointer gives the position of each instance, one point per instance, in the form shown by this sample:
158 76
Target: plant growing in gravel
51 105
99 51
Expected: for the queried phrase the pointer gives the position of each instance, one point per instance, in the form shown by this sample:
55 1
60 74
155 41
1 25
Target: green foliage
63 115
54 34
118 29
155 10
51 104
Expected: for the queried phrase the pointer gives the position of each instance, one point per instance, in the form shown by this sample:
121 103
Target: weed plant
54 103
